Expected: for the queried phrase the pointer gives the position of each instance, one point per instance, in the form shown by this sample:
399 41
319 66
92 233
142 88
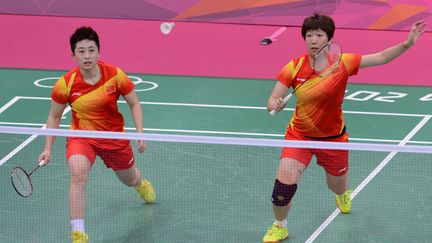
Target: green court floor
221 193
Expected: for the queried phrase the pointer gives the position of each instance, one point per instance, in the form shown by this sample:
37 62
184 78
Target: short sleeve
60 91
351 62
124 84
285 74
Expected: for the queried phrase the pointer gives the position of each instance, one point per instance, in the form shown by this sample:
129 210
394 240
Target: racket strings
21 182
327 60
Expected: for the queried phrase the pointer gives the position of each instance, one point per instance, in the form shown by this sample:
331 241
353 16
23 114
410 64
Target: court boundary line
234 107
369 178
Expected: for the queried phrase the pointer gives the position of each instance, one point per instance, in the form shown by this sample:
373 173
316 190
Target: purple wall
363 14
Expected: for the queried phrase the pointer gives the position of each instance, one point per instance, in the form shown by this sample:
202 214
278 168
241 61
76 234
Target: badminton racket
21 180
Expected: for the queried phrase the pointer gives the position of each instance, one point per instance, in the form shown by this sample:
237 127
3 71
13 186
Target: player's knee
78 177
283 193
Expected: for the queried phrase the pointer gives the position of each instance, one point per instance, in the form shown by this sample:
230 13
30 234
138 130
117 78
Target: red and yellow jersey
318 111
94 107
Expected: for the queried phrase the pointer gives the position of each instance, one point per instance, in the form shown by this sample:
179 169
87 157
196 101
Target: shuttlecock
166 28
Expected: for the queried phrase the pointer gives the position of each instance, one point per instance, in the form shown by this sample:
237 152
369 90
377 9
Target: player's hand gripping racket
21 180
325 62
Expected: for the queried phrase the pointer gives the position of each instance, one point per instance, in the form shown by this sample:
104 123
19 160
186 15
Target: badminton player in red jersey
318 117
92 90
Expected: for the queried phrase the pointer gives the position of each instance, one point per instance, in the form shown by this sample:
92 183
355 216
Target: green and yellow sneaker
79 237
343 202
275 234
146 191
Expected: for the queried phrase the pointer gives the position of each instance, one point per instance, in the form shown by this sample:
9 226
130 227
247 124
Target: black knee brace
282 193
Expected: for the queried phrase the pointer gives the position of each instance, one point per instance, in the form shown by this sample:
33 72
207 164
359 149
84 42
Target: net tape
216 140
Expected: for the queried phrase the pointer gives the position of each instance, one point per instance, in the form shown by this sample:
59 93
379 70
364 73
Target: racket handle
42 163
278 32
285 100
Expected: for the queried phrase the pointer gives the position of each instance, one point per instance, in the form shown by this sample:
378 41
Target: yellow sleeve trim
69 87
297 68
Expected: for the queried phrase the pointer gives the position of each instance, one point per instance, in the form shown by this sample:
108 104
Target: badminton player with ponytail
318 113
92 90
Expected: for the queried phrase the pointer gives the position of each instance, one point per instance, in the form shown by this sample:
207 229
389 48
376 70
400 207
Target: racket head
327 59
21 182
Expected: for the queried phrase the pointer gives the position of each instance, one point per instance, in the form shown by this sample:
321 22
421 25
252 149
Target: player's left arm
393 52
137 116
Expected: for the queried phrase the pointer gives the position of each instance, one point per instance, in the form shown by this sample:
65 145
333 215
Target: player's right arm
284 77
53 121
275 101
59 100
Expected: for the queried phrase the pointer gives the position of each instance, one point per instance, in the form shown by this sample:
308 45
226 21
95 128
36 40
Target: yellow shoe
79 237
146 191
343 202
275 234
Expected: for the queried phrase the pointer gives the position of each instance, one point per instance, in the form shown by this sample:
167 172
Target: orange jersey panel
318 111
94 107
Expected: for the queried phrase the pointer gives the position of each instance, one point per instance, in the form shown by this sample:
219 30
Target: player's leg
339 185
287 178
335 163
79 168
80 157
132 177
122 161
292 165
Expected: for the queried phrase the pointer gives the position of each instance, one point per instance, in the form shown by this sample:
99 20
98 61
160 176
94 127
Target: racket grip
285 100
278 32
42 163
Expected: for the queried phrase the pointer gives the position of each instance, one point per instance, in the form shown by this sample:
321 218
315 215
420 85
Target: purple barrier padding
196 49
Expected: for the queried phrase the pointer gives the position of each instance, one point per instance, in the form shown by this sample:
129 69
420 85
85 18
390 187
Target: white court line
9 104
25 143
239 107
18 149
265 108
369 178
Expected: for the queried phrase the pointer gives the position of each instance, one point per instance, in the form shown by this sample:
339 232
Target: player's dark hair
83 33
318 21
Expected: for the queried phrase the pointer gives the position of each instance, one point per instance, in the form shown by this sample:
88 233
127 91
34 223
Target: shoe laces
272 229
78 235
346 197
143 186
